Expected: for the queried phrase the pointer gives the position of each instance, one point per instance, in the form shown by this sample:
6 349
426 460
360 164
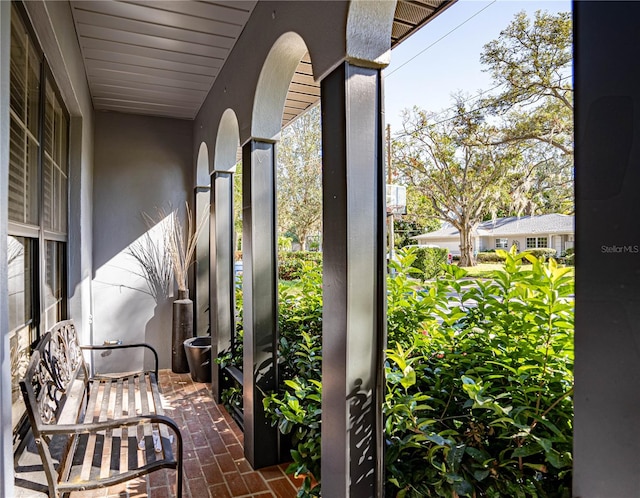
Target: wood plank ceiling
161 58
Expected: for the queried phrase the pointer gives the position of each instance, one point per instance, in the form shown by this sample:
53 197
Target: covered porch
160 101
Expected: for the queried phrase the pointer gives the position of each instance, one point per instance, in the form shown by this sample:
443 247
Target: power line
439 39
446 110
472 97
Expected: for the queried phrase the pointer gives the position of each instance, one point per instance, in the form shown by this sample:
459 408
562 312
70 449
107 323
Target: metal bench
95 432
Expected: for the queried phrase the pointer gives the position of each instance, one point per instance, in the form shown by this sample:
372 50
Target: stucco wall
488 243
324 38
141 164
452 245
558 242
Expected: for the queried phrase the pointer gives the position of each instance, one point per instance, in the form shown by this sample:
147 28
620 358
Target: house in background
526 232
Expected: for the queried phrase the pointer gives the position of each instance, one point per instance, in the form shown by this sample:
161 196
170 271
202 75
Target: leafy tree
449 162
300 177
419 218
510 153
404 230
531 60
419 215
541 182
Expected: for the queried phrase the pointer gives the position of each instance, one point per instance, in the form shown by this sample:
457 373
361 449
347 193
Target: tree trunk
466 246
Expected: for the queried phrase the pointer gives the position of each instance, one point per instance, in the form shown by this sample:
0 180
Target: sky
444 56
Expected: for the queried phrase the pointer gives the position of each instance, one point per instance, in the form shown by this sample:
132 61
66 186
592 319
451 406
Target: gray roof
513 225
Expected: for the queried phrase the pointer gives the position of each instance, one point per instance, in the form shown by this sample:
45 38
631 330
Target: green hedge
478 399
569 257
489 257
542 252
495 257
290 263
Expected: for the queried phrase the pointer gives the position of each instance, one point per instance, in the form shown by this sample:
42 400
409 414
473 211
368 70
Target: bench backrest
54 366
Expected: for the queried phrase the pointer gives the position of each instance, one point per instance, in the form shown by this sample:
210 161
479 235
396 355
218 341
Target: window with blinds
38 185
54 171
25 119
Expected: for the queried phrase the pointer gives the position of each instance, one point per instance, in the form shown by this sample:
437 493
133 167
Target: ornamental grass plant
167 250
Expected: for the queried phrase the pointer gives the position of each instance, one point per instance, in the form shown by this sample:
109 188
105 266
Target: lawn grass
483 270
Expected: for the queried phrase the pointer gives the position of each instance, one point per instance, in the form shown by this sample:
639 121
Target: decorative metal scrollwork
46 391
60 357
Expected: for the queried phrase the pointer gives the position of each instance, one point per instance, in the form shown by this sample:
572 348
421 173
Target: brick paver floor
214 465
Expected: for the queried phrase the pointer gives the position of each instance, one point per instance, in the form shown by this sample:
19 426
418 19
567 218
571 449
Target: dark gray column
222 295
259 291
202 283
607 338
353 277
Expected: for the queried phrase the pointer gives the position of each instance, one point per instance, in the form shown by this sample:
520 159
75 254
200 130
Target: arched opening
271 93
260 246
222 261
227 143
227 158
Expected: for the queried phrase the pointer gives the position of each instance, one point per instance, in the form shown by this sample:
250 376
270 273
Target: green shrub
495 256
409 307
427 260
284 243
569 257
480 402
489 257
290 263
296 407
231 395
478 375
542 252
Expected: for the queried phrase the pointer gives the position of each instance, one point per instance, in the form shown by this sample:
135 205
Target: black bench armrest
94 347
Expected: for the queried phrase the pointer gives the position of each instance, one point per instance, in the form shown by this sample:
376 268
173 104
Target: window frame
537 242
38 235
